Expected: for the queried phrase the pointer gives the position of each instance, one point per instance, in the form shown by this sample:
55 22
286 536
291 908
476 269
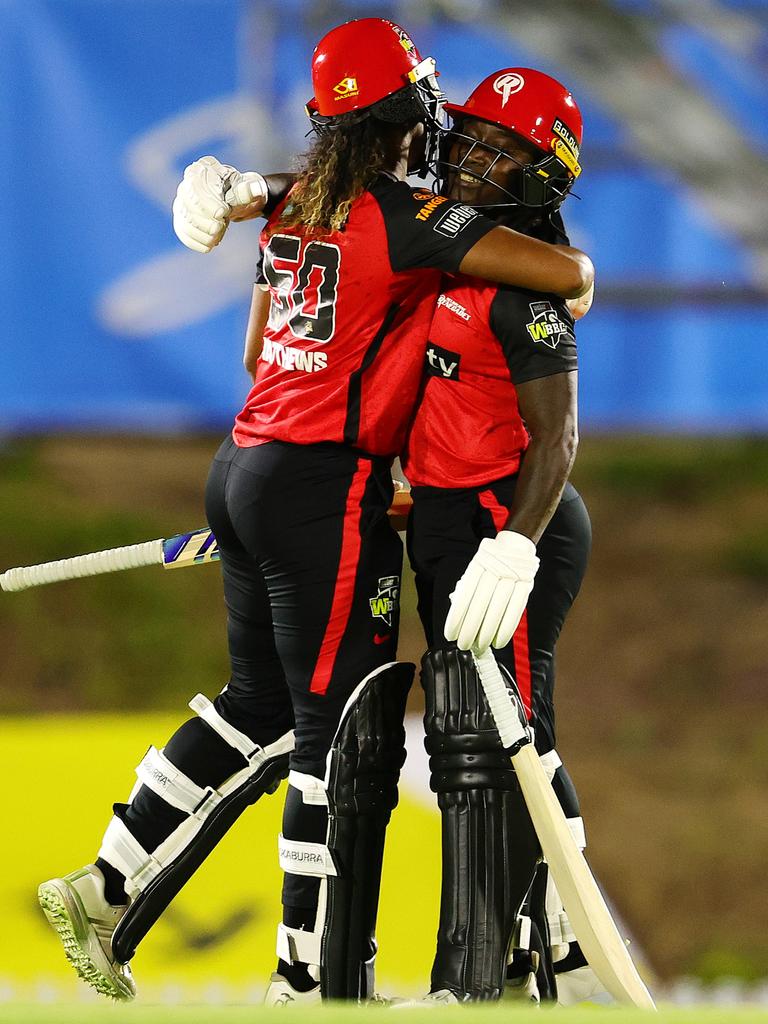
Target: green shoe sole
68 919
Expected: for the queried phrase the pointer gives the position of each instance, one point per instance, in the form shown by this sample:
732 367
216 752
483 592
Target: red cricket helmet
371 67
541 111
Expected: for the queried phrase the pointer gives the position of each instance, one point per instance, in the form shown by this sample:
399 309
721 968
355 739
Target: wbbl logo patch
455 220
546 326
385 602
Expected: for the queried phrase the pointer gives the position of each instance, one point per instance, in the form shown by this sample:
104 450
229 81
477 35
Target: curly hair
338 168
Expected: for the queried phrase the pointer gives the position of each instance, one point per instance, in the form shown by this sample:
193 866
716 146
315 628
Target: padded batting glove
491 596
209 196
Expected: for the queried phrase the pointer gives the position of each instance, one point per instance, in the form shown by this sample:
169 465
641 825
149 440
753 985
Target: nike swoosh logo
381 639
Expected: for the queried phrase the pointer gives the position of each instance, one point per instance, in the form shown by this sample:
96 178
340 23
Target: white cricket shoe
580 985
523 989
443 997
85 922
281 993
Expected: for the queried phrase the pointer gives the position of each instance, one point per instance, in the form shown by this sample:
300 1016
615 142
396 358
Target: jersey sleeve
536 334
427 230
260 278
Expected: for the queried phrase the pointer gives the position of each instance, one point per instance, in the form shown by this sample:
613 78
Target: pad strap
300 858
167 781
124 852
251 751
312 789
294 945
550 762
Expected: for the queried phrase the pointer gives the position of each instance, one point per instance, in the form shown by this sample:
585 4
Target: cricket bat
198 547
590 918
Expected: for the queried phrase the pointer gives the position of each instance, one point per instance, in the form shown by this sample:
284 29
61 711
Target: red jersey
350 314
484 339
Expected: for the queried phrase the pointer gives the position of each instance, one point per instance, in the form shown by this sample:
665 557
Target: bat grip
502 705
130 557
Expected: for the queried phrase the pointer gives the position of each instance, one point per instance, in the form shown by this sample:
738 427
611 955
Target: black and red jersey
350 314
484 339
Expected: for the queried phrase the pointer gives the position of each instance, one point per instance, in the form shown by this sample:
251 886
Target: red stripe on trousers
344 590
523 662
500 514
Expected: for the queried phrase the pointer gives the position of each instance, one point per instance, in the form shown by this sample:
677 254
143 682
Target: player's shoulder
414 202
515 310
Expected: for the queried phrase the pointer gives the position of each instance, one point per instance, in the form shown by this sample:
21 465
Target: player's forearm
547 464
515 259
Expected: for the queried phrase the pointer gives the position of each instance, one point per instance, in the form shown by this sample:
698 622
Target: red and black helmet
541 112
371 68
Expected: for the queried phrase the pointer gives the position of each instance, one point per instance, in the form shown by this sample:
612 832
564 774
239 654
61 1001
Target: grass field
19 1014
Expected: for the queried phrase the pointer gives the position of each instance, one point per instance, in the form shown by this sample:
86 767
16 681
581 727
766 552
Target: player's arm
511 258
211 194
549 407
254 333
257 318
491 596
425 230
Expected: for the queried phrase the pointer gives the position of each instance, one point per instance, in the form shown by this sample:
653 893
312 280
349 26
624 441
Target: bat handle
130 557
501 703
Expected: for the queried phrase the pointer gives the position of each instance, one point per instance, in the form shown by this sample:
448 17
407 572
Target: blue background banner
110 324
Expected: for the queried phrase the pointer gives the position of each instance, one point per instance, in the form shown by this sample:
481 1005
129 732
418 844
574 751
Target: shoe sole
66 915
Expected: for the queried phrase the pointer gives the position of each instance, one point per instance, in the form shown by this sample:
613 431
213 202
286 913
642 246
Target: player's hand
491 596
209 196
581 306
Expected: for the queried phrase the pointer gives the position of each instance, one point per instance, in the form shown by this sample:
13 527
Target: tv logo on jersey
443 363
454 220
385 602
546 326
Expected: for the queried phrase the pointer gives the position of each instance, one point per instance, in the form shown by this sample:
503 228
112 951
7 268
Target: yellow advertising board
61 776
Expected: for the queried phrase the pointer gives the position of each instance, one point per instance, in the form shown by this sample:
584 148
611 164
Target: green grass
85 1014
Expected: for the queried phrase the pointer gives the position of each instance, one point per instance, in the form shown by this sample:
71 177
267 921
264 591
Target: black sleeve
427 230
259 278
278 187
536 333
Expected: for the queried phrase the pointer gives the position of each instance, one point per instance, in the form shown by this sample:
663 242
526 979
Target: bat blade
590 917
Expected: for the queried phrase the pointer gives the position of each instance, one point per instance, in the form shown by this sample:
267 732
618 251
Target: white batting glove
491 596
208 196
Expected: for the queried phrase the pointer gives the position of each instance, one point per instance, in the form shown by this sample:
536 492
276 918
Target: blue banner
110 324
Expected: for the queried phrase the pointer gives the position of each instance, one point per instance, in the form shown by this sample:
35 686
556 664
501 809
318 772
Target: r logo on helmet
507 85
346 87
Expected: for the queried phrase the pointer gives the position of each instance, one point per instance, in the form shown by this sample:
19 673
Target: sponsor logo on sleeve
454 221
385 602
442 363
547 326
431 203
